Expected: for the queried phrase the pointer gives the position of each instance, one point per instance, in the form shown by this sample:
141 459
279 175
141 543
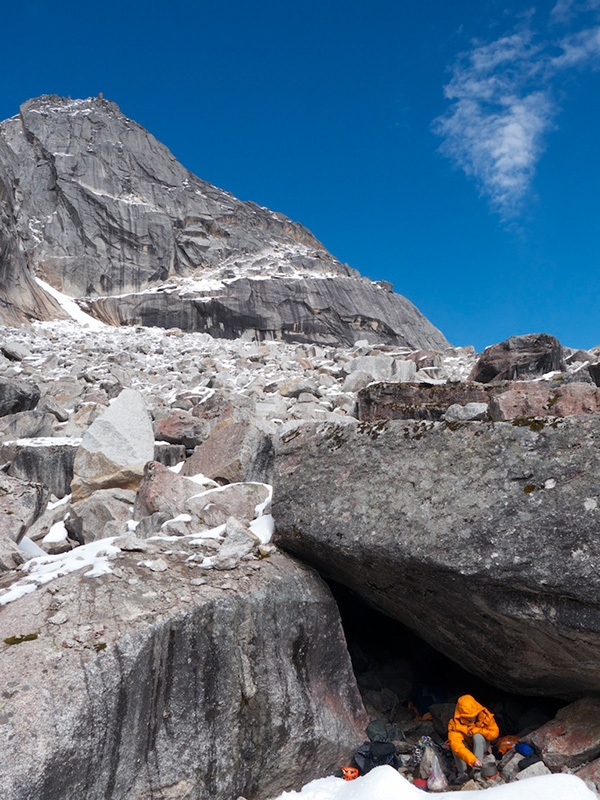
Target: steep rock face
95 206
329 311
482 537
144 684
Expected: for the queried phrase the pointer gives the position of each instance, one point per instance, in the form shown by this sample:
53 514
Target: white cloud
579 49
502 106
494 129
564 10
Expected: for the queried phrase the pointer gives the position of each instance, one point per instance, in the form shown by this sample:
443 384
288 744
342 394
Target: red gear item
349 773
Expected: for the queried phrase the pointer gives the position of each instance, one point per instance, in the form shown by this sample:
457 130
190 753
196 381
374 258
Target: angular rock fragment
572 738
162 490
181 427
104 513
233 453
115 448
17 395
240 500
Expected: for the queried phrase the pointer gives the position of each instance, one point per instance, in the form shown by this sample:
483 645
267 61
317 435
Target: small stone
59 618
198 581
158 565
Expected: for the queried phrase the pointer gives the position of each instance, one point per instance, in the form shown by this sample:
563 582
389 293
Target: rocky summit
94 207
219 448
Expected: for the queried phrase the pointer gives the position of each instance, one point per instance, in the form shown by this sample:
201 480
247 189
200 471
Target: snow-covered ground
384 783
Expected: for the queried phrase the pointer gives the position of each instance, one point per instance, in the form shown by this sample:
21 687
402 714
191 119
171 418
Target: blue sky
448 147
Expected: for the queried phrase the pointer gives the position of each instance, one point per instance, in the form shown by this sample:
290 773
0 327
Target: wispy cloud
579 49
502 106
564 10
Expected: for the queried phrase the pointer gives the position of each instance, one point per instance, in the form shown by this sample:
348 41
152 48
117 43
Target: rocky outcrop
457 531
97 208
152 681
506 400
326 310
519 358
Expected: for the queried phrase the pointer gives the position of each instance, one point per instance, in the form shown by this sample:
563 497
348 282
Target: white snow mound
384 783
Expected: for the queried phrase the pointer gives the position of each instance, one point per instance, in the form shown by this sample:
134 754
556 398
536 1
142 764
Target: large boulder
457 532
519 358
572 738
115 448
234 452
154 682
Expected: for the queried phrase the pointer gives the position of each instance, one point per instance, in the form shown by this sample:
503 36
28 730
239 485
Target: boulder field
157 643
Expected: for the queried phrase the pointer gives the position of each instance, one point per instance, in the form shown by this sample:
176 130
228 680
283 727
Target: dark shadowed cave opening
400 675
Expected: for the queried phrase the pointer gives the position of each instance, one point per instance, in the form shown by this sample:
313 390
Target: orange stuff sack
506 743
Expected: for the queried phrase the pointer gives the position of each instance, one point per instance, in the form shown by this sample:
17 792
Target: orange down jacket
461 730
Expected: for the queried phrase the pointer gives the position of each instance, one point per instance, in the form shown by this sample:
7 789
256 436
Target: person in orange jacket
470 732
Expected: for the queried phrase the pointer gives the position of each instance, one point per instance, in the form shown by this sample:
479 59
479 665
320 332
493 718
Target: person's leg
479 745
461 765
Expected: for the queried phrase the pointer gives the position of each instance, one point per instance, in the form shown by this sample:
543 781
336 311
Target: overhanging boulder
481 537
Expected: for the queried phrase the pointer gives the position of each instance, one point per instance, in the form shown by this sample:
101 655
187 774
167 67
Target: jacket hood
467 706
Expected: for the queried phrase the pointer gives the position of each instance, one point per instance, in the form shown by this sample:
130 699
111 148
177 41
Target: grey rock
104 513
115 448
456 532
14 351
298 387
533 771
404 370
151 675
240 500
378 367
356 380
21 503
50 406
10 555
17 395
509 765
106 210
152 524
329 311
470 411
169 454
239 542
46 462
26 425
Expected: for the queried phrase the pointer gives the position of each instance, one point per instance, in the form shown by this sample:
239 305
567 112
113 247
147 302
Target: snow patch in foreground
384 783
46 568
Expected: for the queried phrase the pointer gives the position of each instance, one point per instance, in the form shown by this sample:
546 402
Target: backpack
375 754
379 750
